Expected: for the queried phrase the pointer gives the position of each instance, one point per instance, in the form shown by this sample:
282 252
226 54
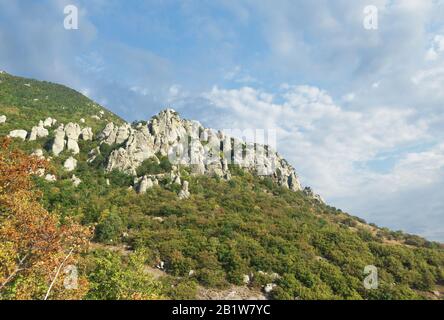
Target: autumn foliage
35 246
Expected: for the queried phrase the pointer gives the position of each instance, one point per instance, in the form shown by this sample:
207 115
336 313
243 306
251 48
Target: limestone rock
93 154
38 132
108 134
73 146
50 178
143 184
72 131
59 141
49 122
188 143
70 164
75 180
87 134
123 133
2 119
21 134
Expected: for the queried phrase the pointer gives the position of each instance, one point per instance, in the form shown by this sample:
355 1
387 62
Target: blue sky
359 113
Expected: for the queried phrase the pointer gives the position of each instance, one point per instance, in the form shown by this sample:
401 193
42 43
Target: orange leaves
15 167
33 243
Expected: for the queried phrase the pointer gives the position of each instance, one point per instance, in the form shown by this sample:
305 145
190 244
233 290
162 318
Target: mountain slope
234 227
26 101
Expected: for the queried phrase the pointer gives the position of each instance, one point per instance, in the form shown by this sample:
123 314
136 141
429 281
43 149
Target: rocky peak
189 143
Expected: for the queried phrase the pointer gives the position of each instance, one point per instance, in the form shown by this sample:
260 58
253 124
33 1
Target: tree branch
57 274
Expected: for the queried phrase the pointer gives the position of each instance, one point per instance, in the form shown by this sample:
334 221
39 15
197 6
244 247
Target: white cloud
331 147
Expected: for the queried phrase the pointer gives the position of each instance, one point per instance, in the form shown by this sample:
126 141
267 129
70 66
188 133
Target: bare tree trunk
57 274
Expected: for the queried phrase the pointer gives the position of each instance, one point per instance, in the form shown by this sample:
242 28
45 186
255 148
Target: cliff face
188 143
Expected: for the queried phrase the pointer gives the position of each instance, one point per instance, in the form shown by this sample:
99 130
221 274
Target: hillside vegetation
246 231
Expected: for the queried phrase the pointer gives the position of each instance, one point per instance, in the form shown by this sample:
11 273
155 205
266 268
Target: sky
358 112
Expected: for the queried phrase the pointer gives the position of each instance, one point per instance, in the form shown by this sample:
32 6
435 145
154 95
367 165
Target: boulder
72 131
49 122
2 119
123 133
73 146
144 184
38 132
87 134
75 181
70 164
50 177
59 141
21 134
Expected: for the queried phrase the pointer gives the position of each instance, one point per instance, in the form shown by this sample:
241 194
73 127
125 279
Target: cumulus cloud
333 148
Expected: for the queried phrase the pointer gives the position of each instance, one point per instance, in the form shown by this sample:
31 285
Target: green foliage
112 277
227 229
180 288
154 165
25 102
110 227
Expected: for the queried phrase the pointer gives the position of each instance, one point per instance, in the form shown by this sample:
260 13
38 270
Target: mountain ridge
222 225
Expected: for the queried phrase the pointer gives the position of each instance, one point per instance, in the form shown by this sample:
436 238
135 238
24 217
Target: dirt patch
232 293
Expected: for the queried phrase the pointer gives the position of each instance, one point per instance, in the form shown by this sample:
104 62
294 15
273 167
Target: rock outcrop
188 143
143 184
70 164
49 122
59 141
87 134
38 131
72 132
50 178
21 134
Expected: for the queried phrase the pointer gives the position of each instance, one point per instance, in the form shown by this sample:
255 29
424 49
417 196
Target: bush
110 227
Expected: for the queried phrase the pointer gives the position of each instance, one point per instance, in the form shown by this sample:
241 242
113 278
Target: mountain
208 211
